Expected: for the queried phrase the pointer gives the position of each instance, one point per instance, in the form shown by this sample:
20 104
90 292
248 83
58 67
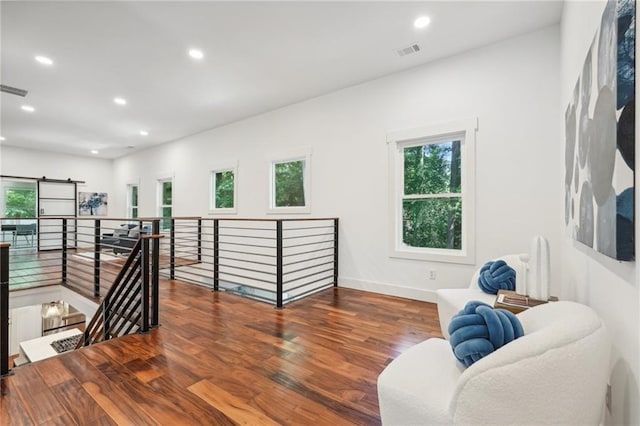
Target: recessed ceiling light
95 151
44 60
120 101
2 138
144 133
422 22
27 108
196 53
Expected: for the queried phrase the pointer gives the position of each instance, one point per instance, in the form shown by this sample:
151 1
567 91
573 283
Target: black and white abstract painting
600 139
92 203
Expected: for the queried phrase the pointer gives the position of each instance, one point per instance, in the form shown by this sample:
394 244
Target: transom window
432 192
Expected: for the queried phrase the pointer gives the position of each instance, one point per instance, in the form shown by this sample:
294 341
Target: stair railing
4 310
132 303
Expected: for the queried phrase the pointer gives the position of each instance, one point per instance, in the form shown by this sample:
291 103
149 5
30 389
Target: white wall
96 172
512 87
610 287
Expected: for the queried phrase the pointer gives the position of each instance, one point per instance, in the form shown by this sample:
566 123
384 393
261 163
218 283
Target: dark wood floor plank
12 408
189 402
232 406
109 367
37 397
221 359
169 405
53 372
117 404
144 371
72 395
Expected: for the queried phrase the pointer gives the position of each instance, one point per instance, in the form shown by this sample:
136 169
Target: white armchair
452 300
556 373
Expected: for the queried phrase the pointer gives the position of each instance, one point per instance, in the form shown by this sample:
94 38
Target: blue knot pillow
496 276
479 329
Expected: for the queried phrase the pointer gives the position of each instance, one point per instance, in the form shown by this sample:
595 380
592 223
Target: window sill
434 255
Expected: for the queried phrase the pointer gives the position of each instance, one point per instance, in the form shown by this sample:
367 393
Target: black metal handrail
272 260
132 303
4 310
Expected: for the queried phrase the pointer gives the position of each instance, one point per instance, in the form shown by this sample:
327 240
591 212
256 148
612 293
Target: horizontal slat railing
132 303
4 309
271 260
82 253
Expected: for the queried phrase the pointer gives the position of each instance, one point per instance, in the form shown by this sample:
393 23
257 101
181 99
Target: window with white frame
223 192
289 185
165 201
132 201
432 192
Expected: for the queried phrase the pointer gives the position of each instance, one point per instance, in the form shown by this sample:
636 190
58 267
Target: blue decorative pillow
479 329
496 276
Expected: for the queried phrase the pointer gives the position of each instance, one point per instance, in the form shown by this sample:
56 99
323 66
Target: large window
165 197
432 192
223 189
290 185
20 202
432 200
132 201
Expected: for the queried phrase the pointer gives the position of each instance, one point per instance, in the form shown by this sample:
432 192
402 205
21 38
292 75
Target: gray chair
25 230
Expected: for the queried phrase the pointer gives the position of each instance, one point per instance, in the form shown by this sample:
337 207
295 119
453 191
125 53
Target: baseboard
389 289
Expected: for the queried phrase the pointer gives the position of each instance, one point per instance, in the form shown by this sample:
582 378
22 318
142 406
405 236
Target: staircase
131 304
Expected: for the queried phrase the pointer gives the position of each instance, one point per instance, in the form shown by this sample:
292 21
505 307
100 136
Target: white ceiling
258 56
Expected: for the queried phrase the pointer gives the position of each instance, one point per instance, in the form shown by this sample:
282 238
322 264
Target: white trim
217 168
128 203
306 209
397 141
159 204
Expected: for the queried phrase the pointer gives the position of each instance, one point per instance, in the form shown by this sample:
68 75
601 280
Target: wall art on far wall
92 203
600 139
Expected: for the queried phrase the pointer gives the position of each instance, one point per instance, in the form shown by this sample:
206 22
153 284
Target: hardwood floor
220 359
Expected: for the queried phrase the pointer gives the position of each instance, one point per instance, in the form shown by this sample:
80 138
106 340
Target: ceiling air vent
13 90
409 50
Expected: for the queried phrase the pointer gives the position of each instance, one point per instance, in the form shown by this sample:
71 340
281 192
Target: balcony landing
221 359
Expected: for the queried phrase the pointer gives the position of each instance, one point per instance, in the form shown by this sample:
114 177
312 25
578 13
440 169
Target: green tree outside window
134 201
224 188
289 184
432 201
20 203
167 207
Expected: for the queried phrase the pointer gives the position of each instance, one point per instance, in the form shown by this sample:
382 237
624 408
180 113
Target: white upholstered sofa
556 373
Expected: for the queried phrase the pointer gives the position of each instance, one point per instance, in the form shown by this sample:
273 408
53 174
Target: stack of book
516 303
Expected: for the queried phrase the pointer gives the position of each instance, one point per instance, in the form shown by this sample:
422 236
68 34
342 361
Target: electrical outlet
608 398
432 274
